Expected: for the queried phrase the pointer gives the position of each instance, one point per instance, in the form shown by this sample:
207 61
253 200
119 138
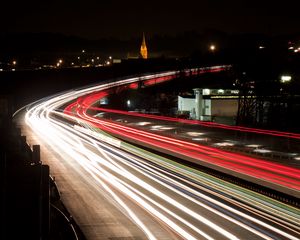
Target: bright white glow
99 114
143 123
285 78
224 144
253 145
160 128
261 150
199 139
234 91
195 134
205 91
156 126
212 47
221 91
128 103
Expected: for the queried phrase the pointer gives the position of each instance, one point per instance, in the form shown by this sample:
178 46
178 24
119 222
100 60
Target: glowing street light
212 47
14 62
285 78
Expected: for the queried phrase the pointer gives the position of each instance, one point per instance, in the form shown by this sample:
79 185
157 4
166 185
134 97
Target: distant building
143 51
211 105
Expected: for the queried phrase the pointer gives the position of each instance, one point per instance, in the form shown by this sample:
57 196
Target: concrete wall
186 104
207 107
224 107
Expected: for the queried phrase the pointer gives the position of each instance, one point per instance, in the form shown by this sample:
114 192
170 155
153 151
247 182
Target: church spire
143 51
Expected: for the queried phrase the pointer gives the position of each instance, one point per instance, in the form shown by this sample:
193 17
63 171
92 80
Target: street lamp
212 47
285 78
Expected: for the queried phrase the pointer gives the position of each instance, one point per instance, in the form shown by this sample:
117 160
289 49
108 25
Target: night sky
95 19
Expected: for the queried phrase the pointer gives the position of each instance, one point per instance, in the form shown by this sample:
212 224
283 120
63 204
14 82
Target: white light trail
116 172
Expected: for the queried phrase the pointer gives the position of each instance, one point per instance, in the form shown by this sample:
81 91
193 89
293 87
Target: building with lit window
211 105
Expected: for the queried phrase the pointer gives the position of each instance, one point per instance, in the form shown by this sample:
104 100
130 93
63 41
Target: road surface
115 190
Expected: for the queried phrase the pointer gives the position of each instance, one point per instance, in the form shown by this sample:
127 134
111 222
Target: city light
285 78
205 91
212 47
14 62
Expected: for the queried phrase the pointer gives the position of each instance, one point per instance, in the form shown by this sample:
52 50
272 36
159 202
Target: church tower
143 51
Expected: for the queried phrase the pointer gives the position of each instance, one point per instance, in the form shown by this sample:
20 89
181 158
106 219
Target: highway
283 149
140 195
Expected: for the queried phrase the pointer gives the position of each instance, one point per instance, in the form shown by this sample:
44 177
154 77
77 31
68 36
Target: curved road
117 190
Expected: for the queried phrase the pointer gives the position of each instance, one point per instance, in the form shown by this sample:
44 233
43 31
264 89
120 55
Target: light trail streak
202 123
157 185
276 173
182 193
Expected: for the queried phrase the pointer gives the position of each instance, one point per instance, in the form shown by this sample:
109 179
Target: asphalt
282 150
